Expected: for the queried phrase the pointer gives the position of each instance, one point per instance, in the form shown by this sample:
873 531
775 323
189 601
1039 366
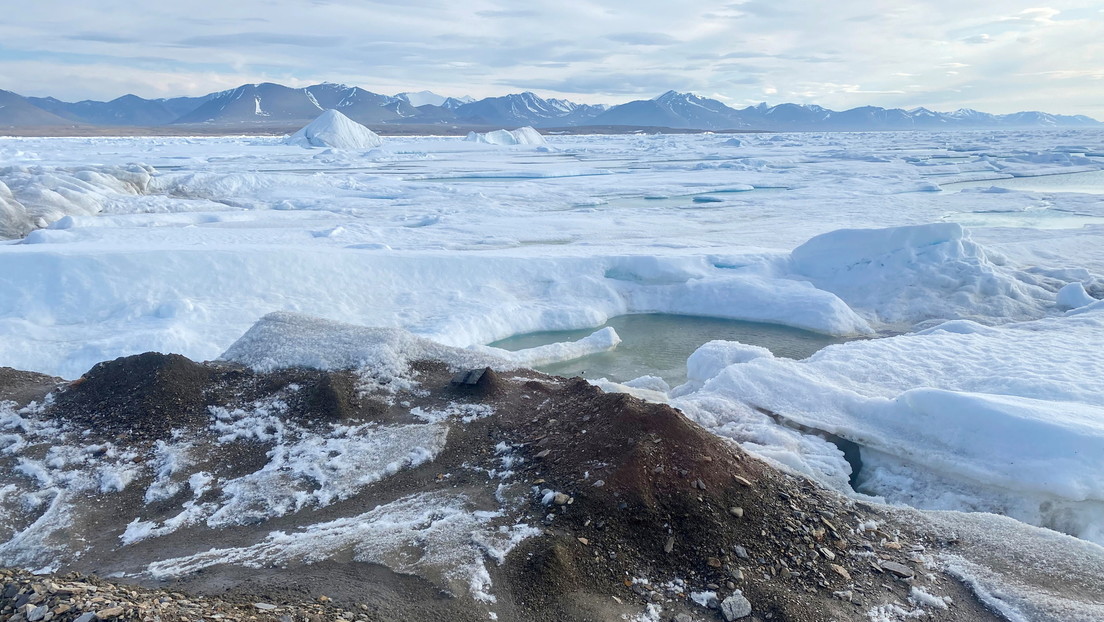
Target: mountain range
274 106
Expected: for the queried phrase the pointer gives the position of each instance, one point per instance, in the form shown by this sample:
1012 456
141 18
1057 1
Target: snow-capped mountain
256 103
673 109
526 108
358 104
807 117
278 106
452 103
421 98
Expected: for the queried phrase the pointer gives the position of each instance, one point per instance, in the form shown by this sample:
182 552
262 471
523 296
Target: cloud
101 37
252 39
643 38
779 50
507 14
977 39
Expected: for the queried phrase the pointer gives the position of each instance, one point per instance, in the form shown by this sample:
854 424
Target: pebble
738 512
110 613
561 498
742 480
670 545
735 607
895 568
841 571
264 606
740 551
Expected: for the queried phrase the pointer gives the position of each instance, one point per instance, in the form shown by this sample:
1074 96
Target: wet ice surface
1089 182
119 246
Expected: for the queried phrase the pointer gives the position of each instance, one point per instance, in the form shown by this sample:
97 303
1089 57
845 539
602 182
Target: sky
996 56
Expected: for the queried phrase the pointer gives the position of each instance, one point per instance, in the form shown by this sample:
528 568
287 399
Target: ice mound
904 275
382 355
1073 296
695 286
283 339
14 220
521 136
34 197
336 131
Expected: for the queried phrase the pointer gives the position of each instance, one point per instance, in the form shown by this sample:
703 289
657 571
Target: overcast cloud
997 56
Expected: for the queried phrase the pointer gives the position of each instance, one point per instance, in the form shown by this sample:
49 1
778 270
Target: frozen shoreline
465 243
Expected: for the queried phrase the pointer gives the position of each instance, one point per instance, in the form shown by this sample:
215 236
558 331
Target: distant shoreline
87 131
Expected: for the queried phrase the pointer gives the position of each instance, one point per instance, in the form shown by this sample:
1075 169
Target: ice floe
520 136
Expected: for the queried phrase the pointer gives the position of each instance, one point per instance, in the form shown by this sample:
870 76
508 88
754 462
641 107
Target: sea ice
439 242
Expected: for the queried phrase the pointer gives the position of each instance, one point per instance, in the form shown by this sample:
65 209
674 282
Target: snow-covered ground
984 392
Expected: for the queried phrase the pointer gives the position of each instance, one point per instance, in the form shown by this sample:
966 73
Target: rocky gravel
643 515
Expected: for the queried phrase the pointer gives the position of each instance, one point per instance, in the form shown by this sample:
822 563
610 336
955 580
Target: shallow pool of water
659 344
1091 182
